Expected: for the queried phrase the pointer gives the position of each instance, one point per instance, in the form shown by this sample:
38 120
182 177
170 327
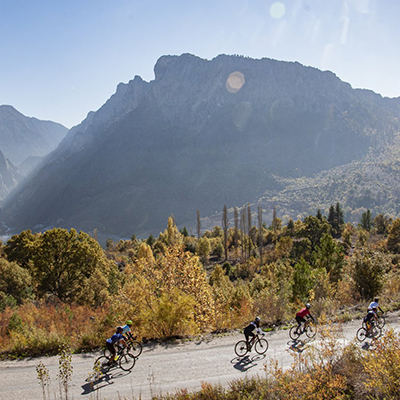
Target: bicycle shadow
299 345
245 363
103 381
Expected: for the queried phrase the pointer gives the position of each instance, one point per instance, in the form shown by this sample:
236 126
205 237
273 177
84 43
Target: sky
60 59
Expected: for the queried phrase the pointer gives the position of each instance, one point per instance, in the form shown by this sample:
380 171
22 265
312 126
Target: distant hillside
21 136
201 135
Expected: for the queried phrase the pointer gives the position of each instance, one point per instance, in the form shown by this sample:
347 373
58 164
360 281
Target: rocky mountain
9 176
21 136
200 135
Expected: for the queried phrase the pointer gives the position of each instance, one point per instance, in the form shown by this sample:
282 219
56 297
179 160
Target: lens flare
234 82
277 10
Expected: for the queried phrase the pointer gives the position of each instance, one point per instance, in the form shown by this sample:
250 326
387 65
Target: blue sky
61 59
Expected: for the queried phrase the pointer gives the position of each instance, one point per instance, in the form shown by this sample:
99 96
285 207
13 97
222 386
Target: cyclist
375 304
249 331
115 339
127 329
370 319
302 315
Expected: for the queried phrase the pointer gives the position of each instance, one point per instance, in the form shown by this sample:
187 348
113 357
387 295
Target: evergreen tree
335 219
366 221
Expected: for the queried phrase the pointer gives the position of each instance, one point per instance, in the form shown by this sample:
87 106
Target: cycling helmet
129 322
308 306
376 300
120 328
258 319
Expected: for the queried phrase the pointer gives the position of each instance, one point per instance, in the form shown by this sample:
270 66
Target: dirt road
160 368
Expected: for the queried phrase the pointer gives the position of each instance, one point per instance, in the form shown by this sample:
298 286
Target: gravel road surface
161 368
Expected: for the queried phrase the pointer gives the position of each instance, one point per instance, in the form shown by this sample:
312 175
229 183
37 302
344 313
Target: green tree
366 221
20 248
335 219
203 249
313 229
15 281
330 256
393 240
368 270
63 263
381 224
302 282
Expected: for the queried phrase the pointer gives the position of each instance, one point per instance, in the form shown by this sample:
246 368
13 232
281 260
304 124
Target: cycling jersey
373 304
126 329
115 338
302 313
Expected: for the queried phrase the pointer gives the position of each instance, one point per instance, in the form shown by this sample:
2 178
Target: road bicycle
124 359
363 333
134 347
260 345
309 327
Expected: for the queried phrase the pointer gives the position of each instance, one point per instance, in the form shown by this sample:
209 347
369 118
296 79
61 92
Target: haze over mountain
23 143
201 135
21 136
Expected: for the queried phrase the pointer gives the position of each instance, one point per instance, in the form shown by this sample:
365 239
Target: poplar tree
225 224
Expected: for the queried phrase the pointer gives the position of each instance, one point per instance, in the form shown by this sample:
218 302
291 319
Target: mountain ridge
200 135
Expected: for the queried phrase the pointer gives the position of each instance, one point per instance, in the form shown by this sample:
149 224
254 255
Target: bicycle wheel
361 334
126 361
293 332
311 330
241 348
376 332
261 346
135 348
102 365
381 322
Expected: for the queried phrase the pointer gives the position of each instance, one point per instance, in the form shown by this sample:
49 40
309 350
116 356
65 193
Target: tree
368 268
15 281
330 256
236 234
203 249
313 229
381 224
260 233
198 224
335 219
393 240
20 248
302 282
366 221
225 225
62 263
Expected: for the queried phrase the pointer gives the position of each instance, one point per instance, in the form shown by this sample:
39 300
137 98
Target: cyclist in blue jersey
127 329
114 340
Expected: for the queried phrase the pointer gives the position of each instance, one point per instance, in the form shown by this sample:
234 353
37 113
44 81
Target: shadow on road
247 362
299 346
103 381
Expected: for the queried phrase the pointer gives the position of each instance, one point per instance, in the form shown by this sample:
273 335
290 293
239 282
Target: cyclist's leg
112 350
247 334
300 320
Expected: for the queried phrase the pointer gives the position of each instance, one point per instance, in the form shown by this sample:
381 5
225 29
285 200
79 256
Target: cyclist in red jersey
302 315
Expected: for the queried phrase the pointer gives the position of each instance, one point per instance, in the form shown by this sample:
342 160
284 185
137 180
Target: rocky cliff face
201 135
9 176
21 136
